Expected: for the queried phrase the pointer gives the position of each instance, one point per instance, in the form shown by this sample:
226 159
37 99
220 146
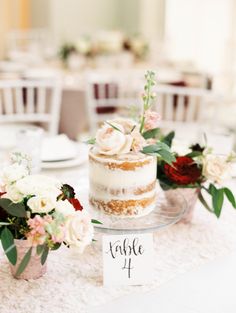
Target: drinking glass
29 142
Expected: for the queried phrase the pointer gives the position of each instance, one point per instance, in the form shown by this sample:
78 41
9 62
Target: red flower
183 172
76 204
2 193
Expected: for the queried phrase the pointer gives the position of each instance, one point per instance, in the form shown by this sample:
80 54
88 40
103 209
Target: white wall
70 18
199 30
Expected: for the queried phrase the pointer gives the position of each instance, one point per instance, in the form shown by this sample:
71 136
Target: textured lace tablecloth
73 282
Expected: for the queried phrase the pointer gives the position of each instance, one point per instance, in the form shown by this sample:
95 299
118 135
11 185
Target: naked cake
122 185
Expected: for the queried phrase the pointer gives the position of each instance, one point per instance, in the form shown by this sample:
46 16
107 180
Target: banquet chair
185 109
31 102
112 94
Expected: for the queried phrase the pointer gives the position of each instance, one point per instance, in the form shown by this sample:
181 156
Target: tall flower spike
148 96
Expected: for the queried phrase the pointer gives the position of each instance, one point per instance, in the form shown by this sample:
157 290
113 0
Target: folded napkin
58 148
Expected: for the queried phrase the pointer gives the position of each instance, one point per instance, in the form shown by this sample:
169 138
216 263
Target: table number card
128 259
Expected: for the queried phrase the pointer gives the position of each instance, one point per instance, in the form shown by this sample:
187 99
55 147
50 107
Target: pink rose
151 119
138 141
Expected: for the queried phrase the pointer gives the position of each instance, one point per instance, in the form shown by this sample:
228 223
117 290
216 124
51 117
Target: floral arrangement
199 168
122 136
82 47
42 211
89 47
138 46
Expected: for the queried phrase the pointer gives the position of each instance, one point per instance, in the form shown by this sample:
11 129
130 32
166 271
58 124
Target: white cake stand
168 211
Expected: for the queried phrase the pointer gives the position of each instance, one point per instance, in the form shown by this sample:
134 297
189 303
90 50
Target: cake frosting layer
126 173
123 185
125 208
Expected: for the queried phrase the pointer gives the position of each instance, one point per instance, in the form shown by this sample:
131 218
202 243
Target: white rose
13 172
39 185
13 193
78 230
39 204
110 141
64 207
126 123
215 168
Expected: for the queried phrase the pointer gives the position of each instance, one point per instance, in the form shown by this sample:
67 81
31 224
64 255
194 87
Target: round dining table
194 270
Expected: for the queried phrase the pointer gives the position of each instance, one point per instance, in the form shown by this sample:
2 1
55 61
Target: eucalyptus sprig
22 159
148 96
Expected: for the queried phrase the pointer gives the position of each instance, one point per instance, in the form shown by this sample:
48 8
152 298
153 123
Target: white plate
58 148
81 158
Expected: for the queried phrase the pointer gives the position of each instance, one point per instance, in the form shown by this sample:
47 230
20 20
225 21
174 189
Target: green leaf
39 249
150 149
4 224
90 141
14 209
95 222
133 128
217 201
168 138
230 196
8 245
212 189
152 133
166 156
155 148
24 262
113 126
68 192
203 201
194 154
56 246
44 254
160 149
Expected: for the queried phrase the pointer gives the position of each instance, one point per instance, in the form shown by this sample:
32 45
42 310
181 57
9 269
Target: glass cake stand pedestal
168 211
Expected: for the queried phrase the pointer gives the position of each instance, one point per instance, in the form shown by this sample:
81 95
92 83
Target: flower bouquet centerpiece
38 214
196 173
123 161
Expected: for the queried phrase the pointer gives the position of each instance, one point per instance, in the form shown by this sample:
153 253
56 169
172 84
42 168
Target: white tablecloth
73 282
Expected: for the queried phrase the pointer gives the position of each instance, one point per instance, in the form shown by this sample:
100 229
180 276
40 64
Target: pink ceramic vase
34 269
191 196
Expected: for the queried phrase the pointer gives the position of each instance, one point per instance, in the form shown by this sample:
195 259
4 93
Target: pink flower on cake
151 119
138 141
111 139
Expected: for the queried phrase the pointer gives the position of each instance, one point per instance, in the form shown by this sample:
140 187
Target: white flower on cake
39 204
127 124
64 207
215 168
79 230
111 140
13 172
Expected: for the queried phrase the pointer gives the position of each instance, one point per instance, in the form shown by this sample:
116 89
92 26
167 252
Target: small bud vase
34 269
191 196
